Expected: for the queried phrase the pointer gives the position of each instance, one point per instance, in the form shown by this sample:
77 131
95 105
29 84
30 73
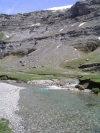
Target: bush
96 90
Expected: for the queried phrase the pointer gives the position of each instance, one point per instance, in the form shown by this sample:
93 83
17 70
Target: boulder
81 87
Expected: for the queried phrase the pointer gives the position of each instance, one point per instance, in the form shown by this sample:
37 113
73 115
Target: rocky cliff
48 37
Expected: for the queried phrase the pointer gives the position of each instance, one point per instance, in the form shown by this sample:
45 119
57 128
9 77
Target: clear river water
45 110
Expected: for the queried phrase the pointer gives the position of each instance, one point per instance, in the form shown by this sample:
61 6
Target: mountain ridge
46 38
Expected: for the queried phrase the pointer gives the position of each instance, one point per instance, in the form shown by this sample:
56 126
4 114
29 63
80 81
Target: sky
22 6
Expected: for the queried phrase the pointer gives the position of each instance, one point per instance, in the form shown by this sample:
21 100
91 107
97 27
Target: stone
81 87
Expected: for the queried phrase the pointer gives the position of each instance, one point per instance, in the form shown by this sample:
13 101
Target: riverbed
41 109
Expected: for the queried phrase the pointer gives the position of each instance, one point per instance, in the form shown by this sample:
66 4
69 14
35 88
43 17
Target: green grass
93 77
17 76
23 76
1 36
1 69
34 74
4 126
51 73
38 74
47 72
93 57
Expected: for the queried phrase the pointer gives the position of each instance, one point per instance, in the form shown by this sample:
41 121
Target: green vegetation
46 72
93 57
51 73
94 77
1 36
4 126
96 90
34 74
7 39
1 69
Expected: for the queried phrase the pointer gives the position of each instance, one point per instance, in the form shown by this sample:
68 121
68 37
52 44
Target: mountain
51 37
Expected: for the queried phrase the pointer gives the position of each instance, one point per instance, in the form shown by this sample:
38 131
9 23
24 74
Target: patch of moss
4 126
92 57
1 36
96 90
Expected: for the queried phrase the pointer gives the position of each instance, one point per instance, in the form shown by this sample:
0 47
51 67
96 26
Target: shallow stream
45 110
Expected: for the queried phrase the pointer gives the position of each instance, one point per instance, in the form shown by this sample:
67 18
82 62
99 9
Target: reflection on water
59 111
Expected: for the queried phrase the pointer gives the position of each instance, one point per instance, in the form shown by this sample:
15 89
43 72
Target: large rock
84 8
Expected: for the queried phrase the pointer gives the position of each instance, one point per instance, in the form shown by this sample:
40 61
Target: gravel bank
9 96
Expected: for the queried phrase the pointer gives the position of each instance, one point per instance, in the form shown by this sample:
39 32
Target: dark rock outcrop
93 67
89 65
90 84
79 9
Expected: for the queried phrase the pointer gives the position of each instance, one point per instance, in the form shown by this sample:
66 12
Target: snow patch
81 24
7 36
58 46
61 8
37 24
61 30
99 38
75 49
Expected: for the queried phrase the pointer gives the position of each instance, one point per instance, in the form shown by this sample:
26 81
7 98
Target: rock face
48 37
89 84
84 8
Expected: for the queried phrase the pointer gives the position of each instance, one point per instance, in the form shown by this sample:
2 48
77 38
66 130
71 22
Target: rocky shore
94 86
72 84
66 84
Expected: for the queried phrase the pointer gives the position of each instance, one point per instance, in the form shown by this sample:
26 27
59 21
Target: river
39 109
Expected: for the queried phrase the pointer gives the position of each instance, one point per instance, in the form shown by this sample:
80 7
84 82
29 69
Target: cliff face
50 37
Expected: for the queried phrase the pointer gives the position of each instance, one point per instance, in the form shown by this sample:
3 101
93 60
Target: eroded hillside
50 38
